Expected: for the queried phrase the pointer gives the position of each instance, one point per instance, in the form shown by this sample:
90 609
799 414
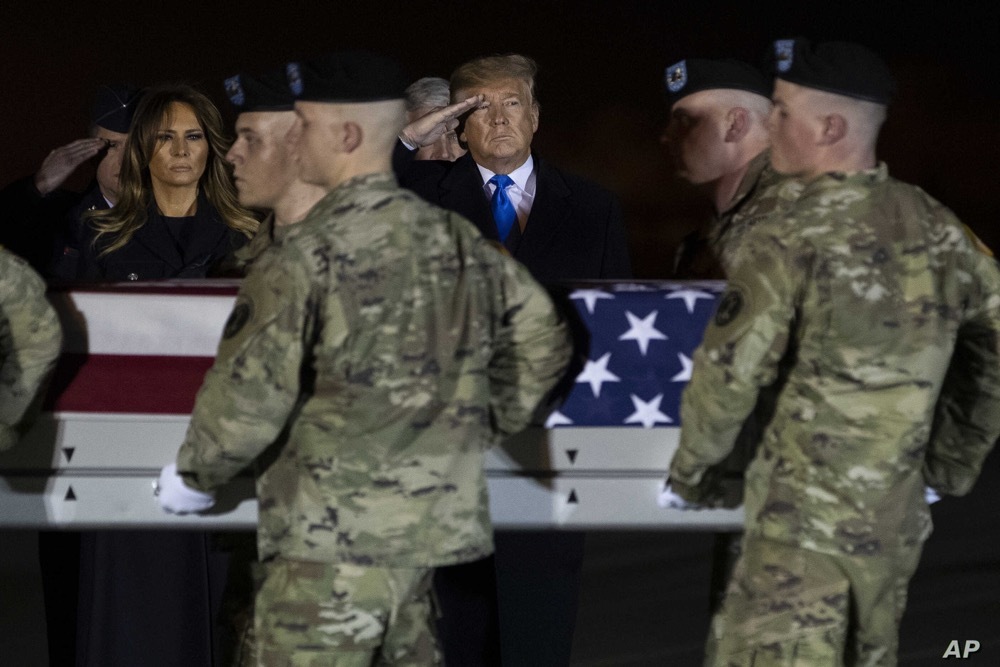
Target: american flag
145 349
643 336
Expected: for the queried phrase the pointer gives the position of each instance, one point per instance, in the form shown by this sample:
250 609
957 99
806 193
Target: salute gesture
428 129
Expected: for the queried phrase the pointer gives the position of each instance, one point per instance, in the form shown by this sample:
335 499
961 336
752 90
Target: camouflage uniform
710 254
382 346
876 319
30 339
714 255
763 194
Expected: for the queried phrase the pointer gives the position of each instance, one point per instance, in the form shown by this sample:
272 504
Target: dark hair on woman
120 223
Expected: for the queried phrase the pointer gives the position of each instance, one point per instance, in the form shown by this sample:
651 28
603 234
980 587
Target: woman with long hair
177 215
148 597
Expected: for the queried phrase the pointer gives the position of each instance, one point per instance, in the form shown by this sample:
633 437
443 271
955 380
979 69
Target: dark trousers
516 608
59 564
121 598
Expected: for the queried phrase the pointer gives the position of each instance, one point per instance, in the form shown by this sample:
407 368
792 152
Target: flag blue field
643 336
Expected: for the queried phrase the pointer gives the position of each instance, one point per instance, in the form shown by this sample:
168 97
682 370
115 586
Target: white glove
931 496
670 500
176 497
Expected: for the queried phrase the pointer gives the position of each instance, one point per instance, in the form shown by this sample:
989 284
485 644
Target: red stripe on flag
127 384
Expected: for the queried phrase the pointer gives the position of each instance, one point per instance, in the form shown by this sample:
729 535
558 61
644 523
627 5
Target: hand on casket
670 499
176 497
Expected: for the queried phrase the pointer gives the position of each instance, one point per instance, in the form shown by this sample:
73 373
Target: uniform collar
342 199
866 177
759 172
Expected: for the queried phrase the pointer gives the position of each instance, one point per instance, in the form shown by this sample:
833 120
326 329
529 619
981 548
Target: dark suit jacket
154 253
29 222
574 232
64 263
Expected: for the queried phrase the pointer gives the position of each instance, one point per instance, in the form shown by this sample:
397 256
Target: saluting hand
427 129
63 161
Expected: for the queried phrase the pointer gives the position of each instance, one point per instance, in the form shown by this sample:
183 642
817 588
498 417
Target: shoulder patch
242 312
730 306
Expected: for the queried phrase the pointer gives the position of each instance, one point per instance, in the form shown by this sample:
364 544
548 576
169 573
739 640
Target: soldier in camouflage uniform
877 319
717 136
266 178
376 350
30 339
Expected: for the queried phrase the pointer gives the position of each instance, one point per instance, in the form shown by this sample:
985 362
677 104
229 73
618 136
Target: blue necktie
503 209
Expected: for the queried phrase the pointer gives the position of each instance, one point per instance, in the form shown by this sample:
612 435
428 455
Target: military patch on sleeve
237 319
730 306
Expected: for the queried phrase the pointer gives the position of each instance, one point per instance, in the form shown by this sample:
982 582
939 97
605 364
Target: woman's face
181 150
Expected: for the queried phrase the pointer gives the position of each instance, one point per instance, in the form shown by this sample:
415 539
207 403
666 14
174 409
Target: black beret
267 92
114 105
842 68
695 74
345 77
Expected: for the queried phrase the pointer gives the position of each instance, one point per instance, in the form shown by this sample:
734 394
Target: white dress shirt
521 194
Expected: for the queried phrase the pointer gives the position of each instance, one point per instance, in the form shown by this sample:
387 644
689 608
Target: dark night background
601 66
600 79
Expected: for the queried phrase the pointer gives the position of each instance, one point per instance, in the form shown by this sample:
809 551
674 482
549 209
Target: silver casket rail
134 356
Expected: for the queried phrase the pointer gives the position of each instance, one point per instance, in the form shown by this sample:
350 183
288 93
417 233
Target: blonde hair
119 224
488 69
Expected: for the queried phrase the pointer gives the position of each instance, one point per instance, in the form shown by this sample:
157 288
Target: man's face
499 131
263 165
313 142
110 162
793 127
696 138
181 151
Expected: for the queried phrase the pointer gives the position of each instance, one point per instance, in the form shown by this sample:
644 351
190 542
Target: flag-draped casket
134 356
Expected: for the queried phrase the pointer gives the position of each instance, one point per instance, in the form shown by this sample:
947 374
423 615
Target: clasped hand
176 497
669 499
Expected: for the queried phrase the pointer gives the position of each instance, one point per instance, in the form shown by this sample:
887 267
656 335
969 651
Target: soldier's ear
352 136
833 129
737 124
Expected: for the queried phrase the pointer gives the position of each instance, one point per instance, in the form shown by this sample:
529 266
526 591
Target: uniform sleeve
532 348
967 414
30 340
251 390
739 355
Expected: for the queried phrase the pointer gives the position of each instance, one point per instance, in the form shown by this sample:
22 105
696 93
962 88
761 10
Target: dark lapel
461 190
204 236
157 241
549 217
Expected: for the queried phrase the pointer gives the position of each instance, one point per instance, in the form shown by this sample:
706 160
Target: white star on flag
590 297
557 419
596 373
686 365
690 296
642 331
647 414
